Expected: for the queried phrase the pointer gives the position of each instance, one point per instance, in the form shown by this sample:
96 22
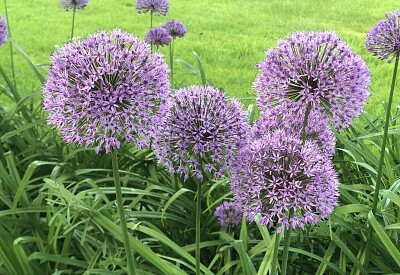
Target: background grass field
230 36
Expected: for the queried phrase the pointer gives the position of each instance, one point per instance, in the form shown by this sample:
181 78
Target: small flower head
158 7
278 175
383 40
284 117
74 4
229 214
106 88
3 30
158 36
175 28
315 69
201 124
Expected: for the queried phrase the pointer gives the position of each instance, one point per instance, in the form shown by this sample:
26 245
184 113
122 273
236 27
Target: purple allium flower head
201 124
383 40
278 174
158 36
3 30
284 117
315 69
105 88
158 7
175 28
74 4
229 214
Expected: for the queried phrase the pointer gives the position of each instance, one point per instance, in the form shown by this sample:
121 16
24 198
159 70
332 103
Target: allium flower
284 117
3 30
105 88
201 124
74 4
175 28
229 214
158 7
158 36
315 69
278 175
383 40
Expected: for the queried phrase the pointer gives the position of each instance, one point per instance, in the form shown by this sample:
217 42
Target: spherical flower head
158 36
284 117
106 88
3 30
158 7
278 175
229 214
74 4
201 124
314 70
175 28
383 40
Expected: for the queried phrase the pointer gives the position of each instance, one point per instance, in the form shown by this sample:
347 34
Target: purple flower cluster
287 181
315 69
175 28
283 117
383 40
105 88
201 124
74 4
229 214
158 7
3 30
158 36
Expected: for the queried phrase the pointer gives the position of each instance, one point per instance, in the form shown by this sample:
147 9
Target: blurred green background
230 36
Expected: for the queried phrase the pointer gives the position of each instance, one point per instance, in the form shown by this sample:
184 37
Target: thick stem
73 24
151 26
305 122
381 159
121 212
11 46
171 60
198 216
286 243
274 268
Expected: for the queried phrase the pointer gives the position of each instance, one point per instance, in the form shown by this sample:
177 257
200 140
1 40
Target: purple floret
315 69
175 28
158 7
105 89
3 30
285 117
229 214
202 123
278 175
74 4
383 40
158 36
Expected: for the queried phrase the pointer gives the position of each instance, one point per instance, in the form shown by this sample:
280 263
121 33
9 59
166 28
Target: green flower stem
171 60
381 159
286 243
151 19
151 26
73 24
121 212
274 268
288 231
11 46
305 123
198 215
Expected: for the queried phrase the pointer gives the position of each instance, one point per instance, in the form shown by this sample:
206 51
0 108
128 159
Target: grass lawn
230 36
